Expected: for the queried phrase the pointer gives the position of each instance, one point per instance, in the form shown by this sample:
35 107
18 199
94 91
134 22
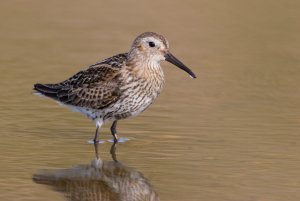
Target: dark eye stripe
151 44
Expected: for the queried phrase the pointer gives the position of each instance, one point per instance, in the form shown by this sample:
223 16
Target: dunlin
118 87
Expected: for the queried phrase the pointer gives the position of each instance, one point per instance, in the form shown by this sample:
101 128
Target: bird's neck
147 69
144 67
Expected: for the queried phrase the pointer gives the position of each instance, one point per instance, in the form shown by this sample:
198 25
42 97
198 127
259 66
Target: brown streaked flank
118 87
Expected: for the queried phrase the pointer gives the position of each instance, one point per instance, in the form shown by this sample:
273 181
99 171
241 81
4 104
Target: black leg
96 135
113 130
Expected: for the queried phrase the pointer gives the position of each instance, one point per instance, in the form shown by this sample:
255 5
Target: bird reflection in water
101 181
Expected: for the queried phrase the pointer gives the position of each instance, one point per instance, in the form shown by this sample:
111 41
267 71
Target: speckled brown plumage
95 88
118 87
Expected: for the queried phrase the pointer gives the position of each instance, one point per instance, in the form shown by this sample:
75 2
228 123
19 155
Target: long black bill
170 58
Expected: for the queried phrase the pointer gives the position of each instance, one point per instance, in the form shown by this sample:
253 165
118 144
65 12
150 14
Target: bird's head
152 48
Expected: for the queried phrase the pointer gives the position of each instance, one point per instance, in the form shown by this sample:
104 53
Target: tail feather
47 90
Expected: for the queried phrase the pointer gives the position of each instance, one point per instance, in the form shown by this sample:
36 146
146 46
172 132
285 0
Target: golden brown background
232 134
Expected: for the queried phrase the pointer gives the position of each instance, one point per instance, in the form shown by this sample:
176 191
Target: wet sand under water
232 134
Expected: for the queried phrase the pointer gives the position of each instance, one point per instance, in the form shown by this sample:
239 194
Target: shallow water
231 134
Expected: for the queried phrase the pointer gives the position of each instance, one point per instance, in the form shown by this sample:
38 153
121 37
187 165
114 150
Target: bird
118 87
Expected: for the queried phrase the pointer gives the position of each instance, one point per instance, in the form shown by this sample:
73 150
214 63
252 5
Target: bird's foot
121 139
93 141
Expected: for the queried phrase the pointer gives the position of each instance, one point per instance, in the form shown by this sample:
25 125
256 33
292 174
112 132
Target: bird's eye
151 44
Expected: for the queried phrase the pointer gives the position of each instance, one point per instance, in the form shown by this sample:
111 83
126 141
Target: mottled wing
96 87
90 90
100 71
